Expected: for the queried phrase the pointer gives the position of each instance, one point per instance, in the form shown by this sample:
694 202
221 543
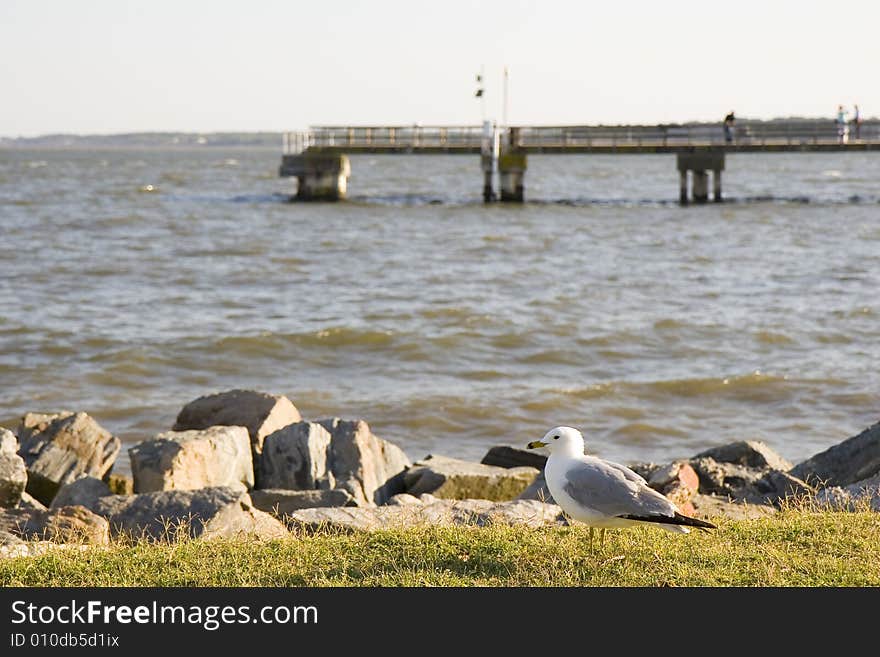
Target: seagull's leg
602 538
591 539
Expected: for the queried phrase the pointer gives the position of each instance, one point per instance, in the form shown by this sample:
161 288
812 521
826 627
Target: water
132 282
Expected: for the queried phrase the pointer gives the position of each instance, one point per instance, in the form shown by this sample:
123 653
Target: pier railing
782 133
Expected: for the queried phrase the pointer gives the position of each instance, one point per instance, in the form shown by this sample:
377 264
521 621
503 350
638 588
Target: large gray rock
537 490
280 502
296 457
743 483
69 524
437 512
12 546
848 462
259 412
505 456
28 501
747 453
368 467
13 473
59 448
84 491
449 478
713 506
332 454
197 458
205 513
861 495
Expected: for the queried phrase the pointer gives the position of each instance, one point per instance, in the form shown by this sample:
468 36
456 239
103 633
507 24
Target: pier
318 157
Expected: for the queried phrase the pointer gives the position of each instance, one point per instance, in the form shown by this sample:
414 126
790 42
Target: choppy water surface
132 282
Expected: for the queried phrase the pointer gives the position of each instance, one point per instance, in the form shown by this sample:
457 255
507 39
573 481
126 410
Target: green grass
793 548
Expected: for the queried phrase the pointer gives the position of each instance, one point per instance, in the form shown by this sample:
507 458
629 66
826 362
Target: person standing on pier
842 127
857 120
728 127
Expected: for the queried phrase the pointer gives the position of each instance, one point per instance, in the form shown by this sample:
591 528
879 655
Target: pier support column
489 150
700 190
699 163
320 176
512 168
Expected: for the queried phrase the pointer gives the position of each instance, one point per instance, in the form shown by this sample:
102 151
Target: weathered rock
748 453
450 478
13 473
197 458
857 496
205 513
296 457
59 448
442 512
645 470
30 502
120 484
709 506
404 499
280 502
12 546
68 524
537 490
848 462
368 467
725 479
259 412
749 484
505 456
84 491
776 485
678 482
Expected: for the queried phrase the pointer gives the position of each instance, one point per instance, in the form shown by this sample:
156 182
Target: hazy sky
108 66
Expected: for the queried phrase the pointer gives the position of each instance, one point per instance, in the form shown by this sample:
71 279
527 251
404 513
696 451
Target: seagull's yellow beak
535 444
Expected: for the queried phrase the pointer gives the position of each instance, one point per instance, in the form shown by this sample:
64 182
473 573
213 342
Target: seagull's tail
677 523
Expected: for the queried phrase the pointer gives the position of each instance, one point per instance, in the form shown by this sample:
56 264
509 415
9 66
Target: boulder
709 506
368 467
450 478
259 412
853 460
120 484
743 483
29 502
205 513
678 482
280 502
403 499
439 512
13 473
12 546
505 456
747 453
863 494
197 458
59 448
68 524
296 458
537 490
84 491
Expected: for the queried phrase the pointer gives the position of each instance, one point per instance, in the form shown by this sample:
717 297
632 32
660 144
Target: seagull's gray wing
606 489
629 474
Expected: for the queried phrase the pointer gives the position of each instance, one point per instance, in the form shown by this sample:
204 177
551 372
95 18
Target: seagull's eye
555 437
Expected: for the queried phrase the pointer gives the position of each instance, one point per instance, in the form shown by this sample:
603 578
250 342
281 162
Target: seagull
604 494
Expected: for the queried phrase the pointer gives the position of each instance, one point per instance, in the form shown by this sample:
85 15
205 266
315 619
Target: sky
115 66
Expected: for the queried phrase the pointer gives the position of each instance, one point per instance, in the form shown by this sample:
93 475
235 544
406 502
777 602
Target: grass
792 548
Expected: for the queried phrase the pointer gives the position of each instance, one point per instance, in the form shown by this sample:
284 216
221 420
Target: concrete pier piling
489 149
699 163
512 170
320 176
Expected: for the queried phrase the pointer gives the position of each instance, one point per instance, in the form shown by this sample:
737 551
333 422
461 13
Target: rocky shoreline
243 462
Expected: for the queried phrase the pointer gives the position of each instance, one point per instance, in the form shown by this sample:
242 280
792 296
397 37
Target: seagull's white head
561 439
